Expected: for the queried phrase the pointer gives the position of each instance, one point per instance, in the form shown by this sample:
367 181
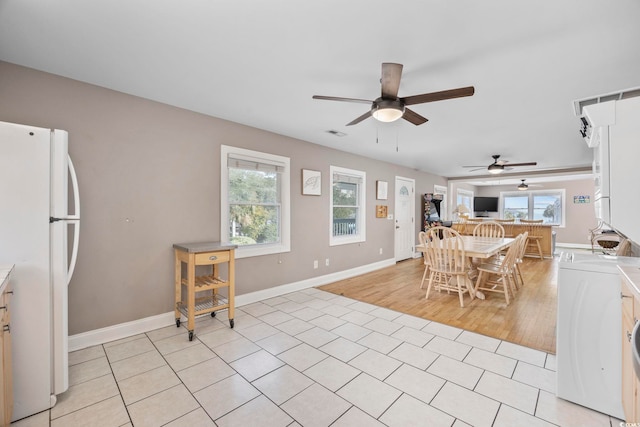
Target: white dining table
481 247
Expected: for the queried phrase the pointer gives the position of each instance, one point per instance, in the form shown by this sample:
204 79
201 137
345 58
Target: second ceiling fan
389 107
498 166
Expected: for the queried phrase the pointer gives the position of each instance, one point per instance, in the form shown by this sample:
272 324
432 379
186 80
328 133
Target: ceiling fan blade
359 119
478 169
390 80
413 117
439 96
522 164
335 98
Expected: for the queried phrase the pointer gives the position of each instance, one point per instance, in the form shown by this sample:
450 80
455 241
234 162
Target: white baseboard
140 326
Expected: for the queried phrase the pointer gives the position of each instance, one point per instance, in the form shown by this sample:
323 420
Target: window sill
337 241
251 251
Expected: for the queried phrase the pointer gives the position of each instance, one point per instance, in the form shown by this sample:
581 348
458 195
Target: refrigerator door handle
75 218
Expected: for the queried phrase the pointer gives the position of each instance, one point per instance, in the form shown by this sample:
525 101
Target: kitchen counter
5 272
512 229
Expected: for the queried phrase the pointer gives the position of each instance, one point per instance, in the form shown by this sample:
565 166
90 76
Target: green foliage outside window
254 207
345 200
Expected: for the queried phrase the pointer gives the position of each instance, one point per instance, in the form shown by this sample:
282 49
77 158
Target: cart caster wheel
231 323
177 323
213 314
190 335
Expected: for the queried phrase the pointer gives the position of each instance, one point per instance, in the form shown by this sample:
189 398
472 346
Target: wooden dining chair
470 225
534 238
447 263
499 277
507 224
488 229
422 238
522 246
521 243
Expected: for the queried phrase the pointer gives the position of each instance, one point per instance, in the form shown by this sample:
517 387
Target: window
547 205
439 189
254 198
465 197
347 206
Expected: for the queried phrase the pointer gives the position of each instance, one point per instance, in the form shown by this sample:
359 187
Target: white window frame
284 245
362 203
531 194
470 195
444 205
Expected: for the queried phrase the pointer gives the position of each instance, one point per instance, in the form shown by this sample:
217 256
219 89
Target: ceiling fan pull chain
397 137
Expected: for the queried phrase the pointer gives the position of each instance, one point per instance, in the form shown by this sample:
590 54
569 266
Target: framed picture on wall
311 182
381 190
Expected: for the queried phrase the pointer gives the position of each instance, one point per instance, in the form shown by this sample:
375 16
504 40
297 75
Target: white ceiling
259 63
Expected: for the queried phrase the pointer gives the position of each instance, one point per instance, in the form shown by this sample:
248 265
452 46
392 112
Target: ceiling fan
498 166
524 186
389 107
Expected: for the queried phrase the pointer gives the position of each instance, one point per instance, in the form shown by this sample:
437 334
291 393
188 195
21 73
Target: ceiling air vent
336 132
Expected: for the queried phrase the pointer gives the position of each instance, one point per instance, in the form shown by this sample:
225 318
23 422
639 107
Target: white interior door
405 218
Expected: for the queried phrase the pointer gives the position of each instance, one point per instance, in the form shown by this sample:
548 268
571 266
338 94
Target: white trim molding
141 326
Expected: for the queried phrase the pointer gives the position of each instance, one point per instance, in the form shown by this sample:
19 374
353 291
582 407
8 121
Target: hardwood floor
529 320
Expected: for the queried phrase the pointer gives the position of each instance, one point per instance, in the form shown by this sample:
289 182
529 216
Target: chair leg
505 286
512 283
519 273
460 292
539 249
424 275
431 277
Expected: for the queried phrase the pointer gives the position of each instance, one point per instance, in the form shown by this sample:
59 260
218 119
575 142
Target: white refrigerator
39 233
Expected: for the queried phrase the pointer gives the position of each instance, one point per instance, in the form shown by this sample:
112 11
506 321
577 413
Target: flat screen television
485 204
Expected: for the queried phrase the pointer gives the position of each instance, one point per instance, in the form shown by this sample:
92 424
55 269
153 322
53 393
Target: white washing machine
588 332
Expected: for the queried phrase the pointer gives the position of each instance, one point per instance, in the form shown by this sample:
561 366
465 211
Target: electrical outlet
326 262
315 264
380 251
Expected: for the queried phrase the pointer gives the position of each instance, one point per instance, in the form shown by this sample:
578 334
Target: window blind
245 162
350 179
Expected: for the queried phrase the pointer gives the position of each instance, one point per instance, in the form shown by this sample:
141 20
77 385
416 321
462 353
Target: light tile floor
312 358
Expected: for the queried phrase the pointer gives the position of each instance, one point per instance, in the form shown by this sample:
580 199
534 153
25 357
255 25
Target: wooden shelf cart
207 286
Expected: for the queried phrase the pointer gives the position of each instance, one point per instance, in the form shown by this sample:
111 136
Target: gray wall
149 177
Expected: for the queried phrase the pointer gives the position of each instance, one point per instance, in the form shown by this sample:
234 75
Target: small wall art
381 190
381 211
311 182
581 199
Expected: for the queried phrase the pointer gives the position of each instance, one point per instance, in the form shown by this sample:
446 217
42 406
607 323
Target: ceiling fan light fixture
522 186
387 110
495 169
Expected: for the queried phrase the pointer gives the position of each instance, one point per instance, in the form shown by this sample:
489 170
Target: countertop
204 247
632 276
5 272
